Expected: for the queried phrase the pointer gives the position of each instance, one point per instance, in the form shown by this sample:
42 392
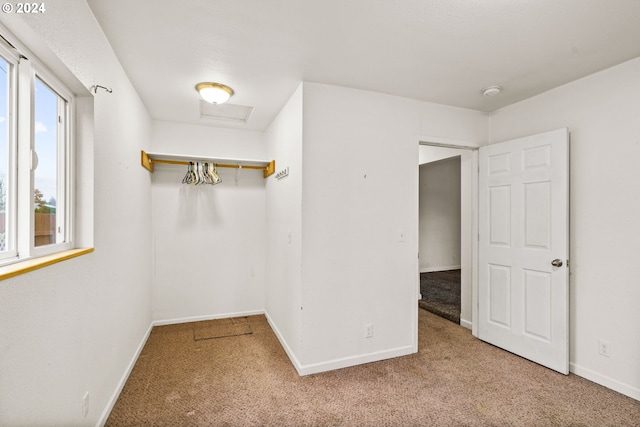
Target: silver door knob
556 262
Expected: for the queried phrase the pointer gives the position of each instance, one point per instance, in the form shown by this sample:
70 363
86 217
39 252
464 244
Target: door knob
556 262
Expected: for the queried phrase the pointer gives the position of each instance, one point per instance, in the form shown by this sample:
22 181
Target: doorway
540 188
440 234
437 149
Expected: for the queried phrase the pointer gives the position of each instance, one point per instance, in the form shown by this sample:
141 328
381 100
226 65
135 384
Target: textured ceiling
443 51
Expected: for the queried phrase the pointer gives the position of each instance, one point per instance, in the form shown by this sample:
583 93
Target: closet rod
267 167
218 165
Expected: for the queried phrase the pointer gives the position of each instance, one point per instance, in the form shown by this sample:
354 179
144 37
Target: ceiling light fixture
491 90
214 93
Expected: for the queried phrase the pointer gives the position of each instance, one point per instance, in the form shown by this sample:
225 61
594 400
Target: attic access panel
225 112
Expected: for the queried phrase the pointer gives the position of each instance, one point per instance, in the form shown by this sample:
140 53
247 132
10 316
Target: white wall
602 112
208 241
440 215
359 220
359 226
76 326
284 227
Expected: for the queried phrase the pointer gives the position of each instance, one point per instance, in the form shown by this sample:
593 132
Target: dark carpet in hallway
441 293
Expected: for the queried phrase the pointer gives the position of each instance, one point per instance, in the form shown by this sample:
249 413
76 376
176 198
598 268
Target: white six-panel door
523 291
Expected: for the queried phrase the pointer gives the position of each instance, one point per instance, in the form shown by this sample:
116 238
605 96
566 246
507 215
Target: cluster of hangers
201 173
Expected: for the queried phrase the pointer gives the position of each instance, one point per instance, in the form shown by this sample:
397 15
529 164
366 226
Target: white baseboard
432 269
620 387
284 344
123 380
465 323
346 362
179 320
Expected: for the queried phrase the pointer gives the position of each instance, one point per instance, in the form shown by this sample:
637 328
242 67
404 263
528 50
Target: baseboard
292 357
620 387
346 362
205 317
433 269
465 323
123 380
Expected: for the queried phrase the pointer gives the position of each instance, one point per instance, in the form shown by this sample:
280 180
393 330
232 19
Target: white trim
292 357
416 248
466 324
123 380
603 380
205 317
64 163
11 57
437 141
445 268
340 363
346 362
475 224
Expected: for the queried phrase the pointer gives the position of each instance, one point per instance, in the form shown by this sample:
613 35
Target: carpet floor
184 379
441 294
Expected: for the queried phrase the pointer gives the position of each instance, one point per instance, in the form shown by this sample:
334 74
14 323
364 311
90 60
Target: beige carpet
454 380
221 328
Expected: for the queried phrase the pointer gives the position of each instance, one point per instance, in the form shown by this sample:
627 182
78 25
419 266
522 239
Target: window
35 159
7 151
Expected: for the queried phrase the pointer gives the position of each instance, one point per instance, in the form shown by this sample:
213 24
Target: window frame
21 221
12 58
64 162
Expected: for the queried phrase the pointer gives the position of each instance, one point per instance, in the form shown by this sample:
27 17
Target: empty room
214 212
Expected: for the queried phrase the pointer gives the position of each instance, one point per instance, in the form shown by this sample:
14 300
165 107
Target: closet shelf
148 160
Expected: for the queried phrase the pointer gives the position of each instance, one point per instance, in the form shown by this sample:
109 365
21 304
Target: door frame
461 145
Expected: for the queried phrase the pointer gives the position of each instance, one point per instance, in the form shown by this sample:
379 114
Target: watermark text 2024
23 8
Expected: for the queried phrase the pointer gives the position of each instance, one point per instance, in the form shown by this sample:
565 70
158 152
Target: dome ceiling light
214 93
491 90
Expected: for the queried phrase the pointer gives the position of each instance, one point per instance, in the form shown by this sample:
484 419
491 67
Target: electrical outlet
604 348
368 330
85 405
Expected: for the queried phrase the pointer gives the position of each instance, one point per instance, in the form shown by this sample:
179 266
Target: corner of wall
284 139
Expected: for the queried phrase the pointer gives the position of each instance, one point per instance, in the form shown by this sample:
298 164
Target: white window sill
23 267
